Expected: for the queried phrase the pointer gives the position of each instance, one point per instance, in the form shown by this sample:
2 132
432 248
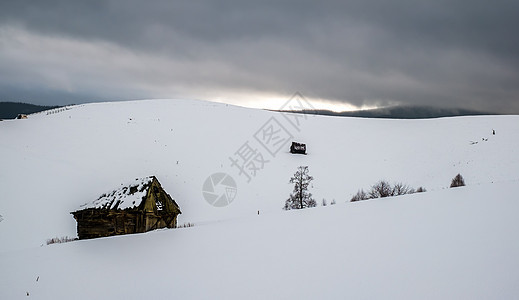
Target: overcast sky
356 53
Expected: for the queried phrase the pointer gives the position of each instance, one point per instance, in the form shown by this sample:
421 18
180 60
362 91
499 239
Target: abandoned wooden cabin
138 207
298 148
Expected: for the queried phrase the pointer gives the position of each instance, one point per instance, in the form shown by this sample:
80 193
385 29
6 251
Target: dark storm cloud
445 53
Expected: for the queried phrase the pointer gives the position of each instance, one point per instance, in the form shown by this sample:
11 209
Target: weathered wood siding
157 210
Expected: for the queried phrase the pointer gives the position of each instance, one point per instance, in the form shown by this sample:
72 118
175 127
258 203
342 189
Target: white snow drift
442 244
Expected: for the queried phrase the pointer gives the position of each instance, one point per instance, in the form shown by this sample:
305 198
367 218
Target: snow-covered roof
127 196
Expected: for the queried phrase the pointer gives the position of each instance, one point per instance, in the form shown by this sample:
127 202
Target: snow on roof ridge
128 195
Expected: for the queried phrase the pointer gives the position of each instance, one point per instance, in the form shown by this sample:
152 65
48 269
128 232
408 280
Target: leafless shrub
381 189
384 189
186 225
401 189
63 239
457 181
420 190
361 195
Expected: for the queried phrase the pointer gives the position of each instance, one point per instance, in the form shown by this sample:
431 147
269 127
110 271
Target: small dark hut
138 207
298 148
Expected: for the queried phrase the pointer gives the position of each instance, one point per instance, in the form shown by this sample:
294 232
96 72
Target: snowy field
443 244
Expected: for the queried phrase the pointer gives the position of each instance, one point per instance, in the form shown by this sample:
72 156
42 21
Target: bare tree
324 202
457 181
300 197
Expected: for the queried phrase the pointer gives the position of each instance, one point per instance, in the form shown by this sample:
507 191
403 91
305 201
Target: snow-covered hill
446 243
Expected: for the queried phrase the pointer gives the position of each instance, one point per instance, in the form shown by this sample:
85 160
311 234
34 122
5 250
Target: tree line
302 198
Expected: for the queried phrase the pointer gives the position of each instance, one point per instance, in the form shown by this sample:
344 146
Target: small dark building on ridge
138 207
298 148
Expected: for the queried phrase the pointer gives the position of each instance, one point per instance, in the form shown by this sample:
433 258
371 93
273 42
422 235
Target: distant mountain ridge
9 110
400 112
